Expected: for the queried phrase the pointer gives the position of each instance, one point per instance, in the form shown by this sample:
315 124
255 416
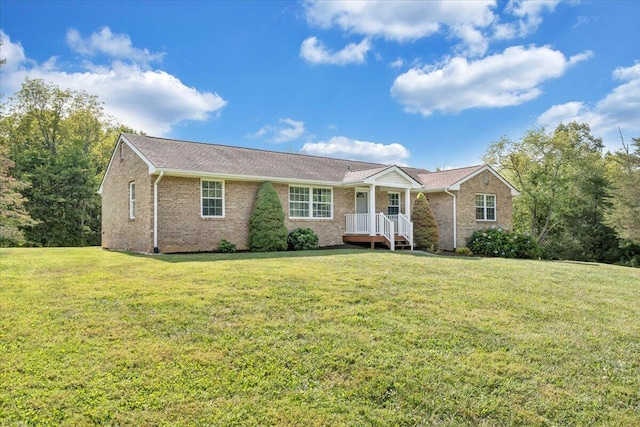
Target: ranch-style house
165 195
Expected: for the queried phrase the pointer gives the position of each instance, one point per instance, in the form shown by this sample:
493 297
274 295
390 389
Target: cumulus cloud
286 130
528 17
504 79
473 23
619 107
117 46
352 149
315 52
149 100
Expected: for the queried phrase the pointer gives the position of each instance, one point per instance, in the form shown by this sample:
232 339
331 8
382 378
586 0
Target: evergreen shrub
267 231
302 239
226 246
425 227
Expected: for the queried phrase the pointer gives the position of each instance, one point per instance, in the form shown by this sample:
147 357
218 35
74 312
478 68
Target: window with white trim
212 198
394 204
485 207
132 200
310 202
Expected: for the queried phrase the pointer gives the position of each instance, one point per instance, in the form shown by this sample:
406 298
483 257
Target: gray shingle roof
196 157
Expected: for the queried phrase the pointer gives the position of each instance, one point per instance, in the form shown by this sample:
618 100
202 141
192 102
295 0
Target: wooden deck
400 241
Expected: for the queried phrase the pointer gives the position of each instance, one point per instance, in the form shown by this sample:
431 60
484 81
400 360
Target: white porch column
407 203
372 209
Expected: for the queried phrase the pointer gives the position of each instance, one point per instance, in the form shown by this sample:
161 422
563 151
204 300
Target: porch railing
384 225
405 228
358 224
386 229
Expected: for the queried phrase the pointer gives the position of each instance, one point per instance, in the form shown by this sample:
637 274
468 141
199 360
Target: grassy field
319 338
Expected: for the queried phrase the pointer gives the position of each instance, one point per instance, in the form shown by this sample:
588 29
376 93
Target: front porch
394 231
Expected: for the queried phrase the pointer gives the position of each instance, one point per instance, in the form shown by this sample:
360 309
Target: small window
212 198
394 204
132 200
485 207
309 202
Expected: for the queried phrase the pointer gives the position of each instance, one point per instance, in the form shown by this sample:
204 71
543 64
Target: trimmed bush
425 227
226 246
497 242
267 231
464 251
302 239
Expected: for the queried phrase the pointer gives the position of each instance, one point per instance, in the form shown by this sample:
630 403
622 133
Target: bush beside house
425 227
267 231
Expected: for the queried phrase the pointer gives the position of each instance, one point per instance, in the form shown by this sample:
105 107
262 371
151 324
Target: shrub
302 239
464 251
425 227
267 231
500 243
226 246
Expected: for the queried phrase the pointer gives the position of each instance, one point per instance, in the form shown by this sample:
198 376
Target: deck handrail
386 229
405 228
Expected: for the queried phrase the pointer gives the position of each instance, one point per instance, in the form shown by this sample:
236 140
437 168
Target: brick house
163 195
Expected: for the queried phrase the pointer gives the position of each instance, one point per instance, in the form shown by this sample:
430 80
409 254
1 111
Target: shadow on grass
217 256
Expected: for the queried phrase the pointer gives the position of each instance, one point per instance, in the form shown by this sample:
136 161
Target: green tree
624 172
57 142
564 189
267 231
425 227
13 213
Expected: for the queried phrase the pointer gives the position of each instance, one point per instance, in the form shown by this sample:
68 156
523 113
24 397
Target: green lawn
318 338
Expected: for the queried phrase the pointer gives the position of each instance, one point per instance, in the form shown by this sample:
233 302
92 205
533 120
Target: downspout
455 221
155 213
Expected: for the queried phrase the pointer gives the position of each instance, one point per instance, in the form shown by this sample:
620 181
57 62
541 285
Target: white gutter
155 213
455 221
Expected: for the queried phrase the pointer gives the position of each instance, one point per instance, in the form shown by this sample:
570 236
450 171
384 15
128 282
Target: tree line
54 147
576 201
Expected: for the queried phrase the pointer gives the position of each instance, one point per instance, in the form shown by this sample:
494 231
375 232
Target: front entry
362 202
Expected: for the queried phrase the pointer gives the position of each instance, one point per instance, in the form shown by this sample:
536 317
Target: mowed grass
338 338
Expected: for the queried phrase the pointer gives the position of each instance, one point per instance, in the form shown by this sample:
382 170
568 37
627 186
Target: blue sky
428 84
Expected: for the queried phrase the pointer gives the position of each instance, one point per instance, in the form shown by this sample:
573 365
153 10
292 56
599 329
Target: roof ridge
259 149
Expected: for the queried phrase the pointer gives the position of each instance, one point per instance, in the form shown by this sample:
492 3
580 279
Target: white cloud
117 46
352 149
315 52
619 107
504 79
528 16
12 52
149 100
398 63
472 23
287 130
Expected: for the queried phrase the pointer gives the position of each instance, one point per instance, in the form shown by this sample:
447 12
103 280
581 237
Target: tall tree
57 141
624 171
563 186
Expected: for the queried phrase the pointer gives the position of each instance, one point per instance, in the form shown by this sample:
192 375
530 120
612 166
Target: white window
485 207
212 198
310 202
394 204
132 200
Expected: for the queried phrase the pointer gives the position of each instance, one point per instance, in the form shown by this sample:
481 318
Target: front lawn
321 338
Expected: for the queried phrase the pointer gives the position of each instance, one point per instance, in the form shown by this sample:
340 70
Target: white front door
362 212
362 202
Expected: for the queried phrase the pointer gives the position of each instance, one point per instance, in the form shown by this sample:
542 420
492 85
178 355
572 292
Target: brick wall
182 228
467 222
118 231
